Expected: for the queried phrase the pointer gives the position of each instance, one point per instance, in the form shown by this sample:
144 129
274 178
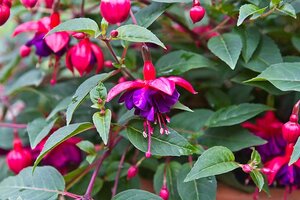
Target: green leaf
247 10
45 184
204 188
235 114
214 161
62 105
85 25
257 178
251 38
146 16
7 70
102 123
255 157
83 90
288 9
135 194
296 42
60 136
171 169
180 106
266 54
227 47
98 92
30 78
172 144
38 130
284 76
182 121
234 138
179 62
135 33
87 147
296 153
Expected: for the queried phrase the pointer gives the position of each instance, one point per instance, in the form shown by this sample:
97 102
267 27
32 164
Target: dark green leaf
135 33
234 138
257 178
135 194
44 184
180 106
227 47
296 42
87 147
284 76
178 62
162 145
102 123
247 10
204 188
288 9
235 114
38 130
171 170
85 25
83 90
31 78
214 161
255 157
60 136
62 105
251 38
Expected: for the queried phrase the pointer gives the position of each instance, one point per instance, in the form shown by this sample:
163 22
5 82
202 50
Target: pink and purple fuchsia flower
151 98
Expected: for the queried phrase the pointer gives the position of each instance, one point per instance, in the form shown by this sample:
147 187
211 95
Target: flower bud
164 193
132 172
246 168
24 51
108 64
29 3
18 158
122 79
291 131
78 36
115 11
114 33
197 13
4 13
149 70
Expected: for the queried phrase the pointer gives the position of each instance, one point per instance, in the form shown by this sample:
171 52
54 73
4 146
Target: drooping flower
151 98
280 170
84 56
115 11
4 13
197 12
65 157
55 43
269 128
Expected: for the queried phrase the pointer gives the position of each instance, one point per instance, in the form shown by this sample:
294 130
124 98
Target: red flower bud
29 3
18 158
291 130
132 172
149 70
24 51
108 64
164 193
197 13
246 168
79 36
122 79
4 13
114 33
115 11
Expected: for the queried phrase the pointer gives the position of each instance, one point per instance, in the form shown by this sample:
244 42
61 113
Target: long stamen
161 130
148 153
145 129
166 128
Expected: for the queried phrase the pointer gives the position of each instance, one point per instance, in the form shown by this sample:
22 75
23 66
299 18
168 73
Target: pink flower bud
4 13
78 36
132 172
29 3
291 131
24 51
148 154
197 13
149 70
246 168
108 64
164 193
114 33
122 79
115 11
18 158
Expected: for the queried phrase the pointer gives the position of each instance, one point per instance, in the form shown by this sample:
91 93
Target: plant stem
107 42
82 8
114 190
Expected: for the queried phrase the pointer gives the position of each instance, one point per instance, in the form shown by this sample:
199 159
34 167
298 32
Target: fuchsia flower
55 43
151 98
268 127
65 157
115 11
84 56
